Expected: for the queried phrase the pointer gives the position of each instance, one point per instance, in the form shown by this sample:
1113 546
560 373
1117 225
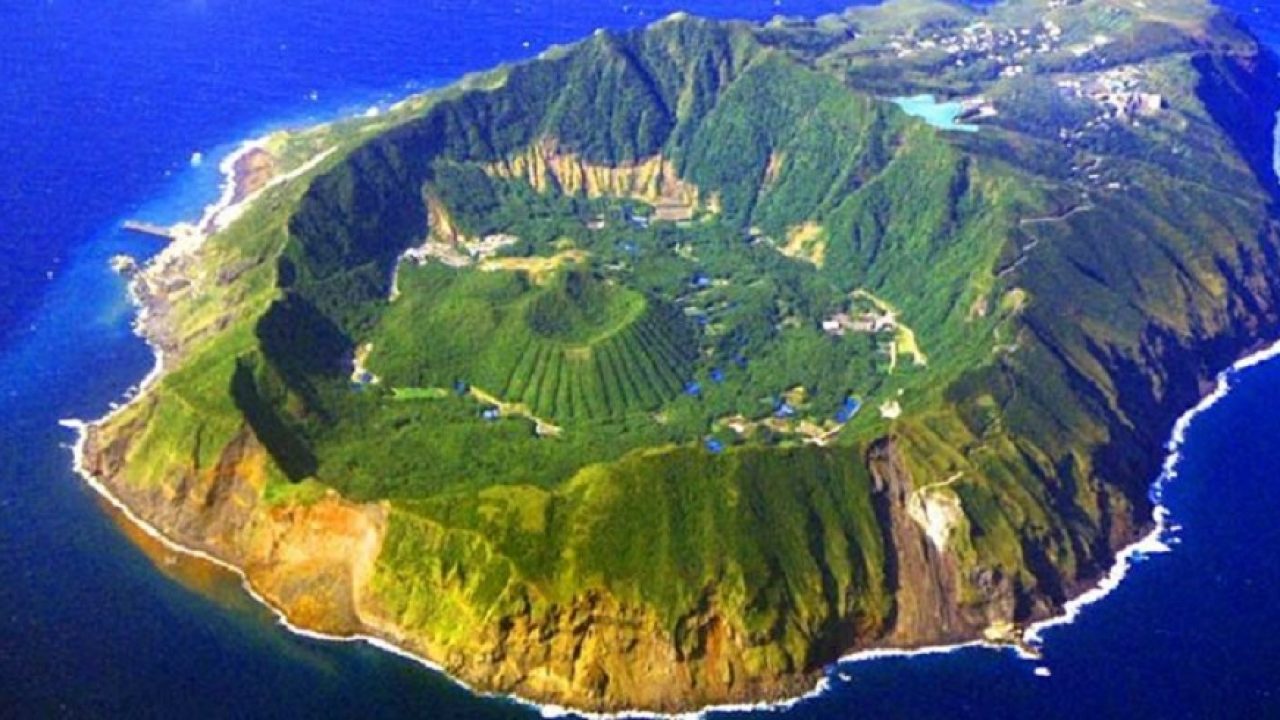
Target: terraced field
577 349
636 368
620 462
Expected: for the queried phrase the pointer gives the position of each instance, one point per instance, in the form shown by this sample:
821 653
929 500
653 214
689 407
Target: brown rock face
305 560
925 579
600 655
317 561
314 564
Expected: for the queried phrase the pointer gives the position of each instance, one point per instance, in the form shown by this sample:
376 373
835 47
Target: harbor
151 229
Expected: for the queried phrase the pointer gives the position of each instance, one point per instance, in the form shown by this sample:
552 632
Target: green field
628 383
580 349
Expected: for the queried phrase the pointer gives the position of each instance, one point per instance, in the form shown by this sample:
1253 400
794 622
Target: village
1119 92
869 315
1121 96
461 253
791 415
1010 48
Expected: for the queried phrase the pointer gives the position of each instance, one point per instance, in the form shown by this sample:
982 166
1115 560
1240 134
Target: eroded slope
686 363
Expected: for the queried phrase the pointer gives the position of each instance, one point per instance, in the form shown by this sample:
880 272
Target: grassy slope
657 529
905 198
1053 442
621 352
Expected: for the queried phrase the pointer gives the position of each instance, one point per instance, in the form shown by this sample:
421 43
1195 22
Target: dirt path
542 427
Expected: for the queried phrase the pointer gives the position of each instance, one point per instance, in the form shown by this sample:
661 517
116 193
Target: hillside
664 369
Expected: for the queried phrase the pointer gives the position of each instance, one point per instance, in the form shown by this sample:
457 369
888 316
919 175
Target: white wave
1157 541
1153 543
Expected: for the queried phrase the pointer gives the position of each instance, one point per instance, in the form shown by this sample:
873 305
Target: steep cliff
682 463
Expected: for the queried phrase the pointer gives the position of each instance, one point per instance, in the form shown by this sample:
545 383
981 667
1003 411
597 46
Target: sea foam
1157 541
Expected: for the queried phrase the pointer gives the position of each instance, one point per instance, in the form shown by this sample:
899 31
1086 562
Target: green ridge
1067 321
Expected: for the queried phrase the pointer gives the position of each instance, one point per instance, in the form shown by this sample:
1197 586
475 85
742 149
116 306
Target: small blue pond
942 115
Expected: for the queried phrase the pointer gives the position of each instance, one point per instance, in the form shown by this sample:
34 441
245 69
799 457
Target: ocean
103 109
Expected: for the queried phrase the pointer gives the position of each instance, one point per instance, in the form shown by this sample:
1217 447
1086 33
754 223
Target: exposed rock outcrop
308 561
654 180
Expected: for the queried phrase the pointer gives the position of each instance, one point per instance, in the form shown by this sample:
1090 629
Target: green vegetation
419 393
628 367
721 521
578 349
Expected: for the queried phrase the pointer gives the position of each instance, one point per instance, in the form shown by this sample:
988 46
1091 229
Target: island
666 368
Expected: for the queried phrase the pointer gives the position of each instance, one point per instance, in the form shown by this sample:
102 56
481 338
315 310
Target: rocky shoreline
314 564
311 566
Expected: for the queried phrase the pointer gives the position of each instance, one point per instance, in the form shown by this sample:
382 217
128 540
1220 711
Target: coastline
187 238
823 685
1032 635
1153 542
231 204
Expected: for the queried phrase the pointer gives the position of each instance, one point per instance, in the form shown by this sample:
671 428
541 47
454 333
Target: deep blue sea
102 106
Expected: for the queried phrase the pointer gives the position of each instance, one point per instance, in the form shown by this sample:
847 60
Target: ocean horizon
100 621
